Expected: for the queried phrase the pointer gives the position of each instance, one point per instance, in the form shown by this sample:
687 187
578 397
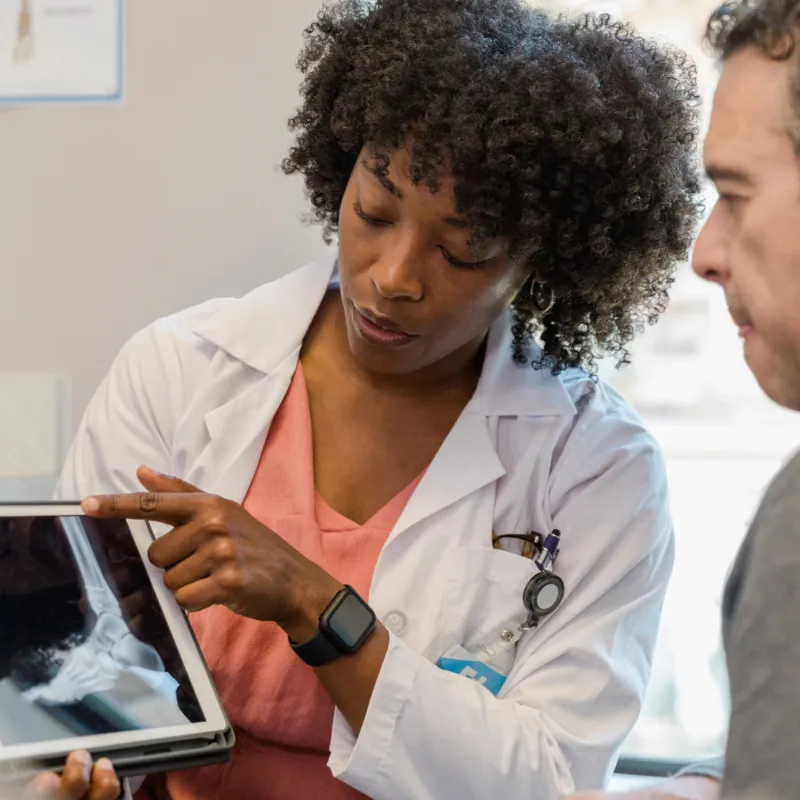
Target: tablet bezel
215 719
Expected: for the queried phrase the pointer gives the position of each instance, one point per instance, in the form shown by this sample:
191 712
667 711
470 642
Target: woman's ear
543 297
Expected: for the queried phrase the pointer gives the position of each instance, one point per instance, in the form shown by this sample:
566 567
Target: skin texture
404 253
750 245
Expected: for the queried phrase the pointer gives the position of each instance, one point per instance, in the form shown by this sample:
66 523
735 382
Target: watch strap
317 652
326 646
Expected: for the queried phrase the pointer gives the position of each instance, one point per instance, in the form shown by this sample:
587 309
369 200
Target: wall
110 217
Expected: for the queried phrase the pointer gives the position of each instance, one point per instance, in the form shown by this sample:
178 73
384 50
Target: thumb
45 786
164 484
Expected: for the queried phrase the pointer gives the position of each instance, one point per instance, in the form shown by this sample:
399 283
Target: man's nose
710 258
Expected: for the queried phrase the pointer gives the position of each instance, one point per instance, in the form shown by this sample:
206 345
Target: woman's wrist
309 598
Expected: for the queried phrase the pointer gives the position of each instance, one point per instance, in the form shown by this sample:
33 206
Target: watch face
351 621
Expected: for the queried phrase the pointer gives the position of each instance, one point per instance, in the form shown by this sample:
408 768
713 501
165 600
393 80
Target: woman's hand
218 554
79 781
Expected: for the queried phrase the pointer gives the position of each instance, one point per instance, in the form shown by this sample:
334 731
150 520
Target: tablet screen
85 647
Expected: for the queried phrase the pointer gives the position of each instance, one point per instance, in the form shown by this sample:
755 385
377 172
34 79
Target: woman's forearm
350 680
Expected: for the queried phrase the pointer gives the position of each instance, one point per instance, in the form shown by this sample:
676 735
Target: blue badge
474 670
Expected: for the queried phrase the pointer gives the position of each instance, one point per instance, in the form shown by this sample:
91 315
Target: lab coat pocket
484 612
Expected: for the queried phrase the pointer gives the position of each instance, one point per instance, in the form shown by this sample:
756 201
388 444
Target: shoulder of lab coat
578 682
133 416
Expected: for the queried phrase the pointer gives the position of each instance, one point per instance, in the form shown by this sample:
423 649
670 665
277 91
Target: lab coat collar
267 326
509 389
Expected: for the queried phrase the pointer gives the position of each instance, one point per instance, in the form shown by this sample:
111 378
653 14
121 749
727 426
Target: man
750 247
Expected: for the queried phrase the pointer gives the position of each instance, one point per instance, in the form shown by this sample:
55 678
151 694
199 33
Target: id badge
488 662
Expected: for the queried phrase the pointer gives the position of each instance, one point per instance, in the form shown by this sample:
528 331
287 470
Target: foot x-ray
84 646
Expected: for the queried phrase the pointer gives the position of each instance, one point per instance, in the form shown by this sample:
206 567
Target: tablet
95 653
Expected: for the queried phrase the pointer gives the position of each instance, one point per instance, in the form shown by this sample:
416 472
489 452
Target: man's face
750 244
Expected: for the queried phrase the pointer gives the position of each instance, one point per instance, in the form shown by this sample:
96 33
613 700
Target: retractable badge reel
489 661
544 592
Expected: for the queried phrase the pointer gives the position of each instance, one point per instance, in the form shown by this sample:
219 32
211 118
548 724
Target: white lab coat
194 394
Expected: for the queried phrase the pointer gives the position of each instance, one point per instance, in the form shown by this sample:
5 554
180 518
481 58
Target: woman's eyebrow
380 173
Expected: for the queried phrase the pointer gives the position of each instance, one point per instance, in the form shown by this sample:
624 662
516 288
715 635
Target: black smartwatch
344 626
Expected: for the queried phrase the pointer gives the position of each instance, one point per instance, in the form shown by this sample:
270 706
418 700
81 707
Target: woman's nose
398 274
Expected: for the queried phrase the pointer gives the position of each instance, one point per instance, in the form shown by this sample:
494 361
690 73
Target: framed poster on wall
61 51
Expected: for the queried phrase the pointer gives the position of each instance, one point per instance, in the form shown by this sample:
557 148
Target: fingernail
85 760
90 505
104 765
157 472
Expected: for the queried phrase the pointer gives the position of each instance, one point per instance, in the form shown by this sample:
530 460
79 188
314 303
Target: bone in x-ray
95 665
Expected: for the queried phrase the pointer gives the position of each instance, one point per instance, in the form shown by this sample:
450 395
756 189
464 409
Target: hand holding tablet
95 654
101 657
80 779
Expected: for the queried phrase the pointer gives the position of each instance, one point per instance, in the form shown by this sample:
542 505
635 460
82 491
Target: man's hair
770 25
574 139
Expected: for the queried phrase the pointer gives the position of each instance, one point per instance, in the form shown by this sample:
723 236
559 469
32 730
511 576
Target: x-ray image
84 646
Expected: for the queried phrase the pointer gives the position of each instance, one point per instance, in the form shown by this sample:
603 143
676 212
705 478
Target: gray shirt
761 617
762 646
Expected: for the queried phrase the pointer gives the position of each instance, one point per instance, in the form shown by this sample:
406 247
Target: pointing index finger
173 509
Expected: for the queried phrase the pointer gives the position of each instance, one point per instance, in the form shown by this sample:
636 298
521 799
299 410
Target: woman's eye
457 262
368 218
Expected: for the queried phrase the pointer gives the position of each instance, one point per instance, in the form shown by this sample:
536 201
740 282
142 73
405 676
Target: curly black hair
576 139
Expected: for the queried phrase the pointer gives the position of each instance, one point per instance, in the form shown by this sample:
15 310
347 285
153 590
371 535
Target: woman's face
415 295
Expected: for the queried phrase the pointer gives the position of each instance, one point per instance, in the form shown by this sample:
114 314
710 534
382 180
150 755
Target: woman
511 194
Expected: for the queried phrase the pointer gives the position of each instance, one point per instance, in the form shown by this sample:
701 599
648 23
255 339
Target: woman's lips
375 333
